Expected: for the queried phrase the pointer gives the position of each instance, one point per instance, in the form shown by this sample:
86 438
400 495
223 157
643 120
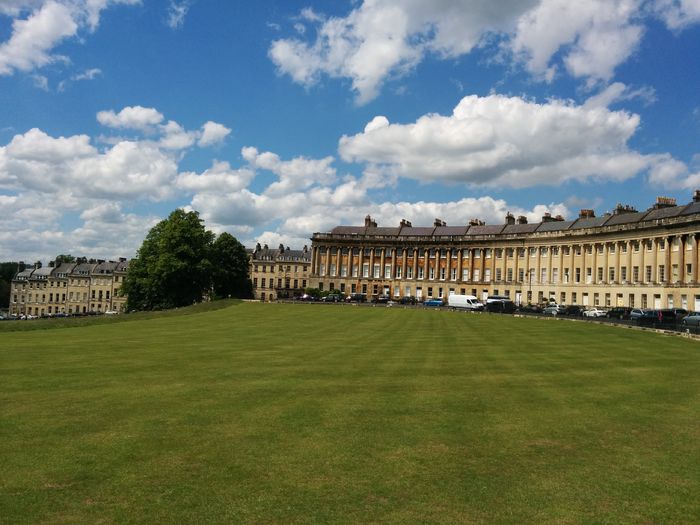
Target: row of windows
271 282
281 268
488 252
531 276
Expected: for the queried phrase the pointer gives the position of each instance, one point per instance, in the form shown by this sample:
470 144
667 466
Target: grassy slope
312 413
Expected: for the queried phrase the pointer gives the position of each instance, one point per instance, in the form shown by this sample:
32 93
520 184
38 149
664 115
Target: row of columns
592 260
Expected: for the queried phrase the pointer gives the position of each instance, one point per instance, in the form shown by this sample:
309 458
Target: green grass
337 414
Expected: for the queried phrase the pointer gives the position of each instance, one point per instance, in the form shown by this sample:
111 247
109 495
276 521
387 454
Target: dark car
356 298
657 318
501 306
408 300
530 309
680 313
381 299
572 310
333 298
619 313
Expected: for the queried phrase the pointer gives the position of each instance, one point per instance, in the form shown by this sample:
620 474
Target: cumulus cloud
384 39
296 174
46 25
32 39
212 133
220 178
133 117
503 141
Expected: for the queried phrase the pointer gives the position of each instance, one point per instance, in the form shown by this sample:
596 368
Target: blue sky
275 120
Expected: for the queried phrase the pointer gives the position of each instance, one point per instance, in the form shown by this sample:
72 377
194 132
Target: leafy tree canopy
64 259
180 262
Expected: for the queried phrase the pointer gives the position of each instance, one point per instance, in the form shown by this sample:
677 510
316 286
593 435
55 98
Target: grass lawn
338 414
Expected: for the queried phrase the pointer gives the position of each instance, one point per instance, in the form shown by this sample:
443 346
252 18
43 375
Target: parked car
432 302
333 298
504 306
530 309
691 320
619 313
573 310
407 299
356 298
594 312
381 299
680 313
553 310
656 318
636 313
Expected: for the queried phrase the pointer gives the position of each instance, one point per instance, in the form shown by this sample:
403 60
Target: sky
278 119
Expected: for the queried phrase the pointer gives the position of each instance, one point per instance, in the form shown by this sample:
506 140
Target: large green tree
230 273
180 262
172 267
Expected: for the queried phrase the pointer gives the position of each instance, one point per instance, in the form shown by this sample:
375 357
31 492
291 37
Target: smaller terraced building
279 273
69 288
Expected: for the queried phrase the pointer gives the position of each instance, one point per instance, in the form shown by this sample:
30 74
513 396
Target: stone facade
647 259
279 273
69 288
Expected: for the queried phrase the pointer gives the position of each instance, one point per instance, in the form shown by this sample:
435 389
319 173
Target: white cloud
503 141
383 39
177 11
88 74
618 92
296 174
219 178
32 39
212 133
678 14
48 23
133 117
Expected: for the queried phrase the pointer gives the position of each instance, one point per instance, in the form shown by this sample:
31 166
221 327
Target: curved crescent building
639 259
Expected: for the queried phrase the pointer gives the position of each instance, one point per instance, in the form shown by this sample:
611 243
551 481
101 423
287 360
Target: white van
468 302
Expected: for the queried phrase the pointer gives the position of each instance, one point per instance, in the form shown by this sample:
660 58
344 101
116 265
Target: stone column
654 261
460 264
667 260
415 263
681 258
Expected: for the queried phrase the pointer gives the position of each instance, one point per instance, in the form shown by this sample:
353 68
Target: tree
7 272
172 268
64 259
230 268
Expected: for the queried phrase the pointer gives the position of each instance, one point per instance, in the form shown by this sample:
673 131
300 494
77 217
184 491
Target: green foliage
313 292
180 263
64 259
230 268
7 272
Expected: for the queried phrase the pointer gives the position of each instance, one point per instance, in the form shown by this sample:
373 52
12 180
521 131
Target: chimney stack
696 196
522 219
664 202
510 218
586 214
439 222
